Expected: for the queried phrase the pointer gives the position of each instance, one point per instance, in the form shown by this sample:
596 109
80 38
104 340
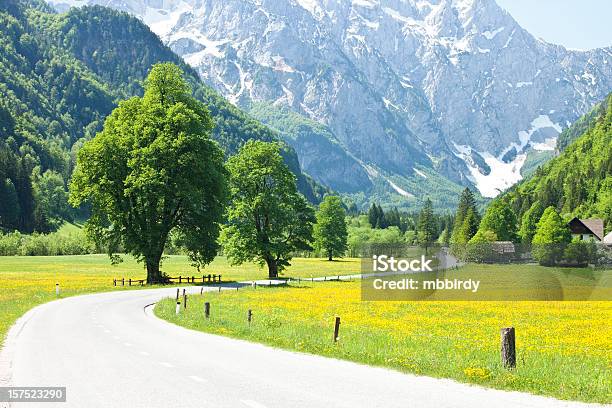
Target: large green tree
551 237
500 219
268 218
154 170
330 232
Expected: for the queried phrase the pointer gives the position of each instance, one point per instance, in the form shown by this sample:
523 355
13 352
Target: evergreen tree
467 202
427 227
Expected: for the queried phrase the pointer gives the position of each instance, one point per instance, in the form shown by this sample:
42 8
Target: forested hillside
60 75
579 181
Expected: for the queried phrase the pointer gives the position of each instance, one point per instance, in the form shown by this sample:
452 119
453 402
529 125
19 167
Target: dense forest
579 181
60 76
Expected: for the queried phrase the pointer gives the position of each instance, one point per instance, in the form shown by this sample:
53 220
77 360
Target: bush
55 243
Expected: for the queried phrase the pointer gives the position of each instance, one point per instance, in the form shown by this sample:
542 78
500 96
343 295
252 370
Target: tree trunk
153 272
330 255
272 268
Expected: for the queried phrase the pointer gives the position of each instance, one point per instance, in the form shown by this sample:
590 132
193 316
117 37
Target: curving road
110 351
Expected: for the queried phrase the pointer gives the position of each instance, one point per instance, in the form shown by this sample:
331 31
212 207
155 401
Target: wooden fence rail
178 279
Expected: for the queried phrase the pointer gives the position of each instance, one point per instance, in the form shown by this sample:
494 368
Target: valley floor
563 348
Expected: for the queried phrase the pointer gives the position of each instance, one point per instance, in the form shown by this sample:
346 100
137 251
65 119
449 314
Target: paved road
109 351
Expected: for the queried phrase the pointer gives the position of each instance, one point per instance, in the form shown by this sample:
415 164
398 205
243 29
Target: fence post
178 307
508 347
130 281
184 299
336 329
114 282
250 316
57 289
202 279
219 278
177 294
122 281
207 310
201 290
180 279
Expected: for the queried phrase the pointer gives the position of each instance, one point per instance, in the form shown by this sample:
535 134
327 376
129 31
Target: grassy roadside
564 348
30 280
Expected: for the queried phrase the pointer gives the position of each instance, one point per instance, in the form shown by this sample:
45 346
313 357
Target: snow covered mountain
406 90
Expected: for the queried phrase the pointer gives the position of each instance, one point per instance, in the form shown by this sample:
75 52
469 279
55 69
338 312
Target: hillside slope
579 181
60 75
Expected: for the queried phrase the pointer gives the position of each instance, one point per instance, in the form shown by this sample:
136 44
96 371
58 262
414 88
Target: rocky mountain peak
452 88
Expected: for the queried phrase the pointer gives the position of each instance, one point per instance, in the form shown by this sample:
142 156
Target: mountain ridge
448 85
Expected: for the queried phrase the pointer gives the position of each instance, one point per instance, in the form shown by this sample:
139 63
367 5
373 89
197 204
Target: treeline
56 243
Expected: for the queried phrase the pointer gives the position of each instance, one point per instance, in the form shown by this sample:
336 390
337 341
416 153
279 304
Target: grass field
30 280
564 348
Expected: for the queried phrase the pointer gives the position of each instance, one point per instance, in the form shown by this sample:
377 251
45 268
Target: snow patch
522 84
549 144
399 190
489 35
419 172
502 176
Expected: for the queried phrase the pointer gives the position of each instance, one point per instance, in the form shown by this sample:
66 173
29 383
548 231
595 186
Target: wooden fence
178 279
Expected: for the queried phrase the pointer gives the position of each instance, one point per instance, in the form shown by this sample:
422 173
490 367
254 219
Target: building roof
608 238
593 226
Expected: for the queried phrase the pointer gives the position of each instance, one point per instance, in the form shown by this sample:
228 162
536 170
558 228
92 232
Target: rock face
455 87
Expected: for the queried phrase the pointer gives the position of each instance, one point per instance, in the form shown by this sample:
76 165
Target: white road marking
166 364
144 353
196 378
252 404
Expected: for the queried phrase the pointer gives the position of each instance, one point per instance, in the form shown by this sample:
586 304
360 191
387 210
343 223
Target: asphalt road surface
110 351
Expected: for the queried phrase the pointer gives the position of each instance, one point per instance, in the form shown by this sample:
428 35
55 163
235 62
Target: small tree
330 231
501 220
478 248
467 203
153 171
551 237
268 219
529 222
427 227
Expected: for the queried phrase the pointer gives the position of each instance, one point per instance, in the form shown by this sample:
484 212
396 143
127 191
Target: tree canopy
152 171
551 236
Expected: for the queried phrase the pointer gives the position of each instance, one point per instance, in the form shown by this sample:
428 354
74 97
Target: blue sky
581 24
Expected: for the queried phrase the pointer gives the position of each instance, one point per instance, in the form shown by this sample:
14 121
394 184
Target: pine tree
427 227
466 202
